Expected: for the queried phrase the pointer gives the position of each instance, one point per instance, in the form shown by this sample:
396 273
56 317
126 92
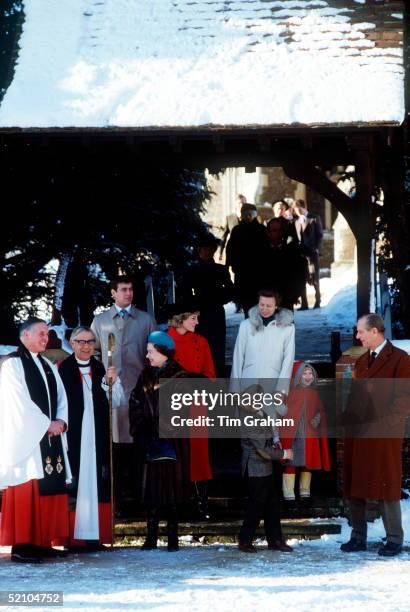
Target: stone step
299 528
226 509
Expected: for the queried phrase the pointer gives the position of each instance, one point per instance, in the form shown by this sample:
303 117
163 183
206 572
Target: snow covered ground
316 576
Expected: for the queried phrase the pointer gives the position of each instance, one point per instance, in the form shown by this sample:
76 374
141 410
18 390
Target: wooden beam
176 143
365 232
304 171
219 143
264 143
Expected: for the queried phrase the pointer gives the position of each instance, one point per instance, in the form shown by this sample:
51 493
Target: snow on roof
187 63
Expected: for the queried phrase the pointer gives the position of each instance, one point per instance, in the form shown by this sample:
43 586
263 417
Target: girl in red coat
192 352
307 437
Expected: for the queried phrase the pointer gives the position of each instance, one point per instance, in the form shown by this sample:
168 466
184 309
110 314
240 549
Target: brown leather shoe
279 545
246 547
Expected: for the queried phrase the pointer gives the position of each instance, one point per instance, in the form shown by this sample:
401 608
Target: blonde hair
177 320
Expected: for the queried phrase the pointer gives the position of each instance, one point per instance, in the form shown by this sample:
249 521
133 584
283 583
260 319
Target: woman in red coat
193 354
307 437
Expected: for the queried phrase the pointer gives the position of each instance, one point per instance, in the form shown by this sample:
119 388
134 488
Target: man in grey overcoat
131 328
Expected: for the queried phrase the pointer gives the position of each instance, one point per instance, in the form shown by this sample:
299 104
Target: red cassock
192 352
30 518
316 444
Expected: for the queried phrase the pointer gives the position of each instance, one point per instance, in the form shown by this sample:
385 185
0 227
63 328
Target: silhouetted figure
285 266
310 233
244 254
210 285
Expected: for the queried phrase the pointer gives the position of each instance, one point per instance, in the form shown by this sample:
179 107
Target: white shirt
118 309
379 348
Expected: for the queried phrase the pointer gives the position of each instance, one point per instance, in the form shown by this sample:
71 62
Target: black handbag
161 450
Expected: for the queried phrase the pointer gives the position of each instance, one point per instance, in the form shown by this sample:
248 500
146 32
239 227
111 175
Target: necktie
372 357
123 313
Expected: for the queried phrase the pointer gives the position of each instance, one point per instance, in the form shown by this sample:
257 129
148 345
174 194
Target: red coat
373 464
192 352
316 446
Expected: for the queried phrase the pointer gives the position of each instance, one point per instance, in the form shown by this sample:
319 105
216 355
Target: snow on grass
167 63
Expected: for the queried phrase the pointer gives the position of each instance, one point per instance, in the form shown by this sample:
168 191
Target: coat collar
133 312
380 360
283 318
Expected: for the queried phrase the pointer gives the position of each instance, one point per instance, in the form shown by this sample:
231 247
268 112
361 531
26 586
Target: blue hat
161 339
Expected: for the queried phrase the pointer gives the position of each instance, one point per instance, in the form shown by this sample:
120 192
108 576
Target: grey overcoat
131 335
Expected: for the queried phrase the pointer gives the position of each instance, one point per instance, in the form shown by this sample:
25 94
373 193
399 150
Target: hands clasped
56 428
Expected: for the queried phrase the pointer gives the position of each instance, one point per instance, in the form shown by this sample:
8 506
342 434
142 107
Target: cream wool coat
264 355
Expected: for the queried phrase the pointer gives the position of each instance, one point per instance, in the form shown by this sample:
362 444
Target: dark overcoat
166 482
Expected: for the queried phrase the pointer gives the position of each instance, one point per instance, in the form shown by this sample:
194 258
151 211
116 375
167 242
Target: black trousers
263 503
314 270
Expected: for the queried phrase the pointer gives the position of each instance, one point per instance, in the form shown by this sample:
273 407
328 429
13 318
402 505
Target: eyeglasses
85 342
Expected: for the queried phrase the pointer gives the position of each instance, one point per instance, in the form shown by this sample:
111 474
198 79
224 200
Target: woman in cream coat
265 347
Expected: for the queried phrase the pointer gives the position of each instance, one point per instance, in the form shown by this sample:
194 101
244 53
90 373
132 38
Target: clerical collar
34 355
83 364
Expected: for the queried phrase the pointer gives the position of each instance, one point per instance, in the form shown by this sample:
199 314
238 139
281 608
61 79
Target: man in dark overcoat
375 422
209 285
244 254
309 230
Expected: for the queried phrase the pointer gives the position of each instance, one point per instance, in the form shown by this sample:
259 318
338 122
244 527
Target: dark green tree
97 217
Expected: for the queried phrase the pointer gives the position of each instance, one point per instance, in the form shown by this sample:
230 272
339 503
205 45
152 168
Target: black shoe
88 548
390 549
246 547
96 547
279 545
24 554
317 305
353 545
303 308
23 558
49 553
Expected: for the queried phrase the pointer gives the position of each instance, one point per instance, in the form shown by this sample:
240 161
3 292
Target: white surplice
23 424
86 515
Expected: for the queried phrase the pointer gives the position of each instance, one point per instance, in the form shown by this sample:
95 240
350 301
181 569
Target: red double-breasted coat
192 352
